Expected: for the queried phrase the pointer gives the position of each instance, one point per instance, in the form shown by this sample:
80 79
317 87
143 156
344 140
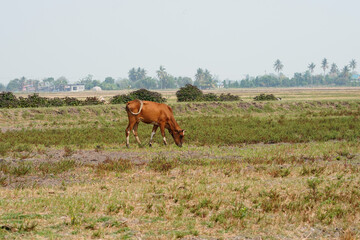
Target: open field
248 170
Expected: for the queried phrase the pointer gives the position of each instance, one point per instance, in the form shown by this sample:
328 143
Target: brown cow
158 114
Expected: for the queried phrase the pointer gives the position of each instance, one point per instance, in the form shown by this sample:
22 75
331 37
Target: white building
75 87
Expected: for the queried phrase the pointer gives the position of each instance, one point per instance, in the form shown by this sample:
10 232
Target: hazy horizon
230 38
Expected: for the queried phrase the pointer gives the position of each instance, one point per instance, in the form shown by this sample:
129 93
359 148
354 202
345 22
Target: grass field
248 170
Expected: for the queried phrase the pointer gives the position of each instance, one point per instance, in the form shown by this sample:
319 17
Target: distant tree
14 85
147 83
109 80
60 83
48 81
123 83
311 69
36 84
204 79
182 81
352 64
324 65
95 83
345 71
199 77
89 82
2 87
162 75
137 74
334 70
108 84
278 66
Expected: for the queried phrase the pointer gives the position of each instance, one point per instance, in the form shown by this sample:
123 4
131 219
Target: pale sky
231 38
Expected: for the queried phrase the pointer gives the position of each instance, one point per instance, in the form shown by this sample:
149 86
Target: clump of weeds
56 167
68 151
4 148
120 165
162 164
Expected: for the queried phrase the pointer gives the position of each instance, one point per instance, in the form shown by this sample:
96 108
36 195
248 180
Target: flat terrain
248 170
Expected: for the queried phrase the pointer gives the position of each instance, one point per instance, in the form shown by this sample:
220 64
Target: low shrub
71 101
191 93
228 97
8 100
265 97
120 99
56 102
92 101
141 94
210 97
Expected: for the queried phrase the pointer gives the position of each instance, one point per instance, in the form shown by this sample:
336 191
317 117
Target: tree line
203 79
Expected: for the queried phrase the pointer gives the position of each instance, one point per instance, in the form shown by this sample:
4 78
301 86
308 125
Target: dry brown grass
304 196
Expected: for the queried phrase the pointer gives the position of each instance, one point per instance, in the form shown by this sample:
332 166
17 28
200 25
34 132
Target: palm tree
278 66
311 69
162 75
352 64
324 65
334 69
345 71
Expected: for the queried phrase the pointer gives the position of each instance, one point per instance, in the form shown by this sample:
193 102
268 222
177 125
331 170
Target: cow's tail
141 106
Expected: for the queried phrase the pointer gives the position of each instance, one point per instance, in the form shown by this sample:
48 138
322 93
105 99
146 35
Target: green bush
92 101
119 99
33 101
147 95
228 97
71 101
141 94
265 97
189 93
8 100
56 102
210 97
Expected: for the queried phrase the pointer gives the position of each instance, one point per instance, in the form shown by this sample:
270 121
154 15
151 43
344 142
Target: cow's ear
183 131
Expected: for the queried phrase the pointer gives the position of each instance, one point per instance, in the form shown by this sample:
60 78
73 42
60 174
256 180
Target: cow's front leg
136 133
155 127
127 131
162 129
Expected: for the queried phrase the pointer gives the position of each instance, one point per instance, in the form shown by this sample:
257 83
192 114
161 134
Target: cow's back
151 111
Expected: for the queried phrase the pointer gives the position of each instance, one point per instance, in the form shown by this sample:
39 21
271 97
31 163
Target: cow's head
178 136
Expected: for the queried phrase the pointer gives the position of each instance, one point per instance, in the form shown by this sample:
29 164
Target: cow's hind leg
155 127
162 129
127 131
136 133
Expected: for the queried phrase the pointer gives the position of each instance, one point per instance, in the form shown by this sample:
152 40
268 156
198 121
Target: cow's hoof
127 145
150 145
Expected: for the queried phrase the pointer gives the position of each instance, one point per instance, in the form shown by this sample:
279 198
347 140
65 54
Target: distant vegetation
191 93
141 94
265 97
9 100
203 79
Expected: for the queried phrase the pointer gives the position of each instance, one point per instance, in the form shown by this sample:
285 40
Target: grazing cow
158 114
